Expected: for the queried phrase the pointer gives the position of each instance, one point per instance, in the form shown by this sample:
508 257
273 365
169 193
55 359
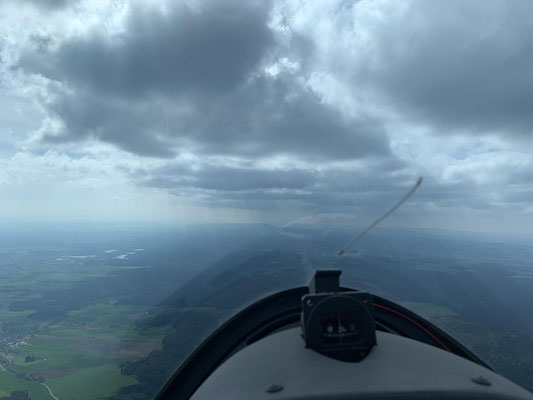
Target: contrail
377 221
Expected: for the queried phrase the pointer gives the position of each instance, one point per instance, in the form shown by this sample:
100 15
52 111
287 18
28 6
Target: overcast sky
266 111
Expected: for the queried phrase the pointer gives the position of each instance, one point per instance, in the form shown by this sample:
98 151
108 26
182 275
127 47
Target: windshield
164 164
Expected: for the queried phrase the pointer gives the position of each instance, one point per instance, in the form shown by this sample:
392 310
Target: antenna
377 221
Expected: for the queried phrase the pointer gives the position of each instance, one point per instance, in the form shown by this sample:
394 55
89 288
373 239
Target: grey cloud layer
252 187
182 50
454 65
228 178
190 80
196 80
263 118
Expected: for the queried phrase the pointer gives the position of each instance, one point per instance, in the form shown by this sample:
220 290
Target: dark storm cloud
272 116
181 50
265 117
458 65
135 126
192 80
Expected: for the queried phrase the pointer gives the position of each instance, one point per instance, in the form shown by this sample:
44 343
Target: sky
267 111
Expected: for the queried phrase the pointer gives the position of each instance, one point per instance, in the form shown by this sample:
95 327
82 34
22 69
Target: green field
81 361
77 353
10 383
55 354
90 383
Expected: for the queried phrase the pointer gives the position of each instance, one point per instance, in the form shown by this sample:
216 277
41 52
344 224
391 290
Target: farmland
59 339
112 315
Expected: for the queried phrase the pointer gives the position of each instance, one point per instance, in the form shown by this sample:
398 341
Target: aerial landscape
112 314
165 164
